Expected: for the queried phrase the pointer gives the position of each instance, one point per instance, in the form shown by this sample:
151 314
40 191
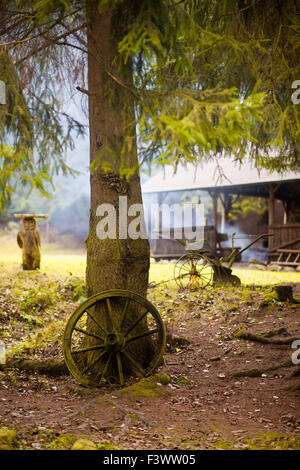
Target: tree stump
29 240
284 293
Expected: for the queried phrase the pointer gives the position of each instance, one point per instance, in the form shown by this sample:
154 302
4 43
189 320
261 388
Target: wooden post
271 208
286 211
271 214
226 204
214 195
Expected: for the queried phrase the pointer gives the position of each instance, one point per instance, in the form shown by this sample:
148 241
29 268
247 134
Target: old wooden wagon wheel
193 271
114 338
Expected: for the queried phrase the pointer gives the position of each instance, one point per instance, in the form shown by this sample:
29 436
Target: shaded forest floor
205 403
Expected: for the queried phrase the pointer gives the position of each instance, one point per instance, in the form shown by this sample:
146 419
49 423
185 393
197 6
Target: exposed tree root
271 333
48 367
259 372
295 373
293 389
263 339
127 410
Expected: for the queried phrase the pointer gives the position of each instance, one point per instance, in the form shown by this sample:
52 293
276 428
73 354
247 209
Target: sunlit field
73 263
162 272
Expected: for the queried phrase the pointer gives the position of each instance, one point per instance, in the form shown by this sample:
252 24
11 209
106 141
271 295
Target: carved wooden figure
29 240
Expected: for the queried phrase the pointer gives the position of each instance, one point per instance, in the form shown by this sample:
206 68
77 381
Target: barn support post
271 205
226 204
214 195
271 213
285 212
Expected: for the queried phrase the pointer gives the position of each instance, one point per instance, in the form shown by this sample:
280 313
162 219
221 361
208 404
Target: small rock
36 445
84 444
289 269
255 261
215 358
258 267
274 267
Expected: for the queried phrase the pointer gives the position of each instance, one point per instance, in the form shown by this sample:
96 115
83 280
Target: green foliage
212 76
208 77
8 439
76 286
31 320
31 120
34 301
242 206
63 442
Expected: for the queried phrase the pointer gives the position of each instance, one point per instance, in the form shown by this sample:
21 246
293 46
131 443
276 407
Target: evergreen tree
198 77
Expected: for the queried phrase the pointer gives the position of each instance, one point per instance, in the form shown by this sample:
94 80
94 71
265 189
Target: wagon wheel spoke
183 275
104 371
80 330
206 277
109 313
135 323
93 363
186 267
134 362
123 314
96 321
143 335
120 368
82 350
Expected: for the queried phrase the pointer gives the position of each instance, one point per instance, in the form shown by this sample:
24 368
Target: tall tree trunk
120 263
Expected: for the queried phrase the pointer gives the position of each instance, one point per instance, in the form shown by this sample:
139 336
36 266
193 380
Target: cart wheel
193 271
235 281
115 341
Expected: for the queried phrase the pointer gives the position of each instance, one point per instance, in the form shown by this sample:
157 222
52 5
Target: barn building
223 180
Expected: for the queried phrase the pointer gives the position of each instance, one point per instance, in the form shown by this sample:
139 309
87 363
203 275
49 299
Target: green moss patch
84 444
265 441
149 387
64 441
8 439
273 441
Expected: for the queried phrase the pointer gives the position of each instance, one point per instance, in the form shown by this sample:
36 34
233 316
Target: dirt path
204 406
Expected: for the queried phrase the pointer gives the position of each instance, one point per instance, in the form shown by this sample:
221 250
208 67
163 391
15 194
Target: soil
204 406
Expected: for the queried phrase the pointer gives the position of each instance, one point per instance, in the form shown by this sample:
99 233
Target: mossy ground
149 387
266 441
194 402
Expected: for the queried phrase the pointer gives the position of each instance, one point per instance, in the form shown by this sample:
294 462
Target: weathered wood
271 207
30 216
29 241
284 236
215 209
282 250
284 293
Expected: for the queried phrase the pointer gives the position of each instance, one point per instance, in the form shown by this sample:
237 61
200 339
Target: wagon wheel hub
114 342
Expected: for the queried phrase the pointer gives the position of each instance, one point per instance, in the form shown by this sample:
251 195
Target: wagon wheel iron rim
193 271
113 341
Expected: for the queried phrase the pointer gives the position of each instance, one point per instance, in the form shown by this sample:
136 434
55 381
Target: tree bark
120 263
112 263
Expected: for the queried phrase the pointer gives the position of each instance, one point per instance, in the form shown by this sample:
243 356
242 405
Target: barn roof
226 175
